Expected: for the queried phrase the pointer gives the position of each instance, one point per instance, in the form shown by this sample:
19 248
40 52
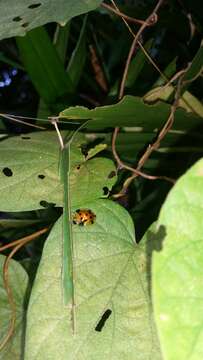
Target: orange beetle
83 217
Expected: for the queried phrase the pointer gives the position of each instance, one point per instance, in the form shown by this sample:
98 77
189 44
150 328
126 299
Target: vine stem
151 20
119 13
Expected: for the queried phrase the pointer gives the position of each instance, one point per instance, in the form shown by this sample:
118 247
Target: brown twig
167 126
25 238
151 20
135 172
119 13
20 243
122 86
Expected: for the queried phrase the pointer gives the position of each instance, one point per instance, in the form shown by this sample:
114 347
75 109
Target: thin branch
136 172
152 61
151 20
127 64
167 126
119 13
26 238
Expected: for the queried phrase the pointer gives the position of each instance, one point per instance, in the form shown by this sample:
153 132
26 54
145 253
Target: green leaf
19 17
191 103
194 69
95 150
61 39
135 68
137 64
169 71
110 274
159 93
177 268
29 173
18 281
44 66
78 58
188 101
131 111
88 180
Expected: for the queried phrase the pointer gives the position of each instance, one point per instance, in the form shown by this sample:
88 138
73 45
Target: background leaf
195 68
29 173
19 17
78 58
131 111
44 66
18 281
31 164
177 269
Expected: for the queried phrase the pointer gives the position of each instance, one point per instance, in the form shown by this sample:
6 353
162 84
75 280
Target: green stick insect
68 256
67 279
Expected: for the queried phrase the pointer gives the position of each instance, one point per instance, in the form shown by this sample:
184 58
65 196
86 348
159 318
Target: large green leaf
29 173
18 281
177 269
110 275
18 17
44 66
131 111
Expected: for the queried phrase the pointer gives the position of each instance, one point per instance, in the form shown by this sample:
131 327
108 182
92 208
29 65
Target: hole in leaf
103 320
34 6
84 149
7 171
105 190
41 176
111 174
46 204
26 137
25 24
78 167
17 18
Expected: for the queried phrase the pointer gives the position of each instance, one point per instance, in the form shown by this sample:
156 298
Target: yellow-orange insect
84 217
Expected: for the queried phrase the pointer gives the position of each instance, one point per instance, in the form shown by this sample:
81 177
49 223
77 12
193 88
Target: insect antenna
17 118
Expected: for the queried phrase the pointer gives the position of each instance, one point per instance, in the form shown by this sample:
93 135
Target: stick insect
67 279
